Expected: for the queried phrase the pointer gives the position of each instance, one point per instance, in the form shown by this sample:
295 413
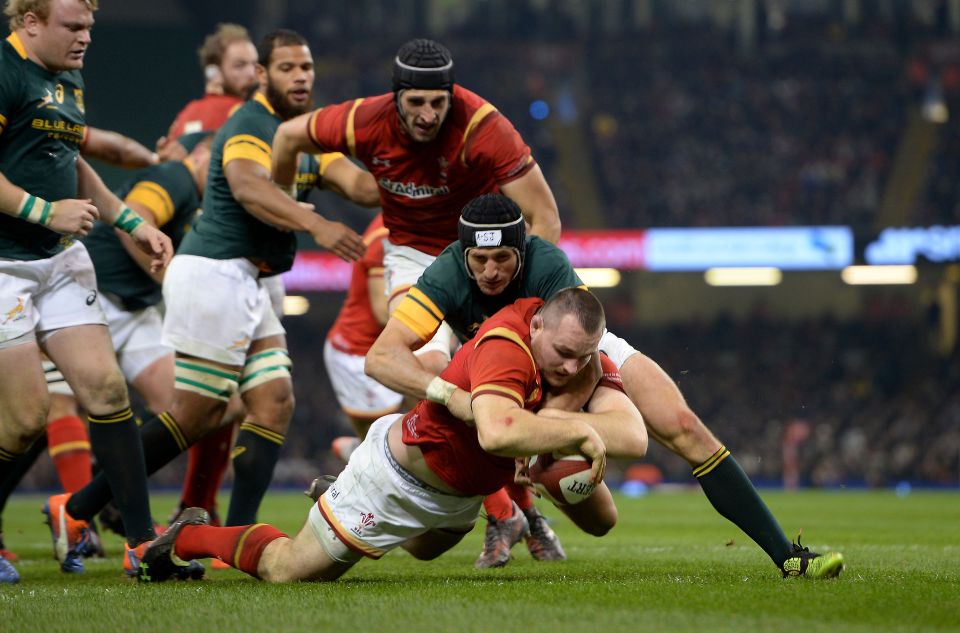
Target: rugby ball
563 479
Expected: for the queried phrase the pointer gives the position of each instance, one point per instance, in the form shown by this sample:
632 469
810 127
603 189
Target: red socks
240 547
499 505
520 494
208 461
69 446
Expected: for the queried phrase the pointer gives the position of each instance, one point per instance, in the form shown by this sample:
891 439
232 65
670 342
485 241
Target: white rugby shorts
135 335
359 395
43 295
375 505
402 267
617 349
215 308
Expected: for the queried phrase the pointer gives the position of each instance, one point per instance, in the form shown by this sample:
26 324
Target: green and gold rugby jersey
444 292
225 229
170 192
41 128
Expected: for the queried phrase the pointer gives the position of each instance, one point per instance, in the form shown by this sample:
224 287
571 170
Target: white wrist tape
35 209
440 391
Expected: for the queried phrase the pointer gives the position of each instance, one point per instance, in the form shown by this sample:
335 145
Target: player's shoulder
252 118
12 66
371 111
514 318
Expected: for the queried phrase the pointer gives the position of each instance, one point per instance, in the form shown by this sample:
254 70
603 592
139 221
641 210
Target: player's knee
25 427
602 523
108 394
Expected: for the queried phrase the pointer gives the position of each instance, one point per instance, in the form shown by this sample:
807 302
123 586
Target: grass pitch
672 564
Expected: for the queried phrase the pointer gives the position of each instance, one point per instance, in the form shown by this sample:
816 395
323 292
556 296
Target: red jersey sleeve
498 147
327 127
501 367
372 259
611 375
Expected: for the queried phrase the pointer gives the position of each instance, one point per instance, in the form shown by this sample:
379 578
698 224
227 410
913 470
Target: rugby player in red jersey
417 481
432 146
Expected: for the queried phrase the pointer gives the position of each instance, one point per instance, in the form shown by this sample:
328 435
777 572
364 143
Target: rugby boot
158 561
809 564
8 573
319 486
500 538
542 541
5 553
70 536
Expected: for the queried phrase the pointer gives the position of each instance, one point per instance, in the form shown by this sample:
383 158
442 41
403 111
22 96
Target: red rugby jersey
206 114
356 328
423 186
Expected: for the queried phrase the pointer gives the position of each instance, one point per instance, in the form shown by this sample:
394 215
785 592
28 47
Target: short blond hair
217 42
16 9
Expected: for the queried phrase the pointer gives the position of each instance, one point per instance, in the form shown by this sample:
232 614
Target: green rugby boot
809 564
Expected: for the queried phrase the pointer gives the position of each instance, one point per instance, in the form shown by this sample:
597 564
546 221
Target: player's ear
536 325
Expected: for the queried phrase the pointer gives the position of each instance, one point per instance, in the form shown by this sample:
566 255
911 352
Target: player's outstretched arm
355 184
72 217
534 197
148 238
290 139
615 418
391 362
116 149
143 260
505 429
251 187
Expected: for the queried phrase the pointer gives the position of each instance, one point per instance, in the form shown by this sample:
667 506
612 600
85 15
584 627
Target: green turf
672 564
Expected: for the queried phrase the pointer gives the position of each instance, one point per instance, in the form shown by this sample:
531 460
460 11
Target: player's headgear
492 221
423 64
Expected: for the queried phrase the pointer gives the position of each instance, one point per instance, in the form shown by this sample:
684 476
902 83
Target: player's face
422 112
493 268
289 81
239 68
562 349
61 42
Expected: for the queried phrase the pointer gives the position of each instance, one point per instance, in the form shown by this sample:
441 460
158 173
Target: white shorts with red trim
375 505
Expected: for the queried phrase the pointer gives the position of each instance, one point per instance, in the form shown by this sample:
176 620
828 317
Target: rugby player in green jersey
219 317
493 264
48 299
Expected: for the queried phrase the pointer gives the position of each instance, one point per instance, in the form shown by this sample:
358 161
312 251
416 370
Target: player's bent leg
155 383
665 412
596 515
300 558
729 490
267 392
24 400
84 355
434 543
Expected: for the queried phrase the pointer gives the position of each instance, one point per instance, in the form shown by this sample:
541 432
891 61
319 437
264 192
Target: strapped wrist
35 209
440 391
127 219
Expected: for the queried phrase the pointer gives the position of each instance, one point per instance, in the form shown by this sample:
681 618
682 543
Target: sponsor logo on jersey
381 163
59 127
412 190
91 297
46 100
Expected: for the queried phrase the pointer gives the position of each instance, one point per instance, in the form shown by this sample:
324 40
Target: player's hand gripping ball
563 479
